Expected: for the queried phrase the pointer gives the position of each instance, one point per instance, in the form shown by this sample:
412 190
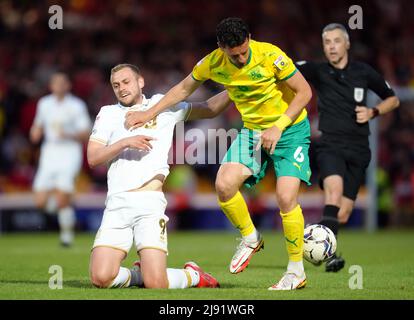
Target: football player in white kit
63 121
135 203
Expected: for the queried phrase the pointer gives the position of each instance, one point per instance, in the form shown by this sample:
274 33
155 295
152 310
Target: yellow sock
237 212
293 228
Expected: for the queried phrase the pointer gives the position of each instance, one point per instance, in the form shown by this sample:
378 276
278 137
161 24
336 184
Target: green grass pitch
386 258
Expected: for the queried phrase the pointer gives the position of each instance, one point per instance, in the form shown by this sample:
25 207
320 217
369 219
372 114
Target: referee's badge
359 94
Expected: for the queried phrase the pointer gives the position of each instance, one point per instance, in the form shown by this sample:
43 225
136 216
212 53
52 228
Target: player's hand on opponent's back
139 142
363 114
135 119
269 139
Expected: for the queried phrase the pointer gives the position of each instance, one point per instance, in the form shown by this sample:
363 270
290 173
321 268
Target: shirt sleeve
39 117
102 129
201 71
180 111
378 84
283 66
308 69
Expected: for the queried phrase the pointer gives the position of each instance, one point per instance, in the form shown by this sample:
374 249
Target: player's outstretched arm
99 153
210 108
176 94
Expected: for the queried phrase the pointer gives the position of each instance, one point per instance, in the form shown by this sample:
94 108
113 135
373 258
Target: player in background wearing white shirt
62 120
135 204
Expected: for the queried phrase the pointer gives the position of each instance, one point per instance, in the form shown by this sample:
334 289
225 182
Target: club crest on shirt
281 63
359 94
152 124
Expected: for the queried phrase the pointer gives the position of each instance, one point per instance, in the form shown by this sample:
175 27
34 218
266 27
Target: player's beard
131 102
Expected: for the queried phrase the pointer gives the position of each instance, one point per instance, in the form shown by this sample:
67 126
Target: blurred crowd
166 39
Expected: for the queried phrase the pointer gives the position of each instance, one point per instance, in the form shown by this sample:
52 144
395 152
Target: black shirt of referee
339 91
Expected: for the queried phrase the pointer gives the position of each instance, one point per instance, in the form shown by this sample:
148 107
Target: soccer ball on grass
319 244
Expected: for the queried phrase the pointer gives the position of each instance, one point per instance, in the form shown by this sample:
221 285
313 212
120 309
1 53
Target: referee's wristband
283 122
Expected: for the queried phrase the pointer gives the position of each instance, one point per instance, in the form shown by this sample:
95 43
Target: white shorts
47 179
134 217
58 168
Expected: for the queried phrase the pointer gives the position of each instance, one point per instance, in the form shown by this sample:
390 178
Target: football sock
122 280
253 237
293 228
330 218
296 267
182 278
237 212
66 220
136 278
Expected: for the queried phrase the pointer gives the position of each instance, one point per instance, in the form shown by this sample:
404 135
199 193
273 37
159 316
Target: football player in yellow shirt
271 96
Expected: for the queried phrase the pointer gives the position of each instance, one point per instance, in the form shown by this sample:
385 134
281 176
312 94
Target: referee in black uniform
343 152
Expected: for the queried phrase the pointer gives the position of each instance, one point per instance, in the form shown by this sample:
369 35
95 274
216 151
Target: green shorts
290 157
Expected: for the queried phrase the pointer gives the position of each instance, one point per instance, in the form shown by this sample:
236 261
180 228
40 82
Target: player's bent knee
101 280
224 189
286 202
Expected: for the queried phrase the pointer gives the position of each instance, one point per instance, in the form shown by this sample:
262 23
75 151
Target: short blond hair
121 66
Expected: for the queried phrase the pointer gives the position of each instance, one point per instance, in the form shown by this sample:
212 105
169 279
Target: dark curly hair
232 32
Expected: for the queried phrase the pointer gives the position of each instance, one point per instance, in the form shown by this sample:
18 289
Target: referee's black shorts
348 158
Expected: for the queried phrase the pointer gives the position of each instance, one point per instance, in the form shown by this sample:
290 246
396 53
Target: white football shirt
70 116
133 167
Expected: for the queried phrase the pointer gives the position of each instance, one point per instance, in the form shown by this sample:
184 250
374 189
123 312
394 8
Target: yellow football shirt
258 88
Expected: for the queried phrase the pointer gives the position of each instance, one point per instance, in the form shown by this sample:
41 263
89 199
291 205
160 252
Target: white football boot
244 252
290 281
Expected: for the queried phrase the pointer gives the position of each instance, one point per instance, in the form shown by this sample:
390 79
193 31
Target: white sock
296 267
182 278
194 275
253 237
123 279
66 219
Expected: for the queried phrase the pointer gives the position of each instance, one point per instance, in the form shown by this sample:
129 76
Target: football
319 244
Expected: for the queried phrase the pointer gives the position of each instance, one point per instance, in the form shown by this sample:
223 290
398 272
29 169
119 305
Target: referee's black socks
330 218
